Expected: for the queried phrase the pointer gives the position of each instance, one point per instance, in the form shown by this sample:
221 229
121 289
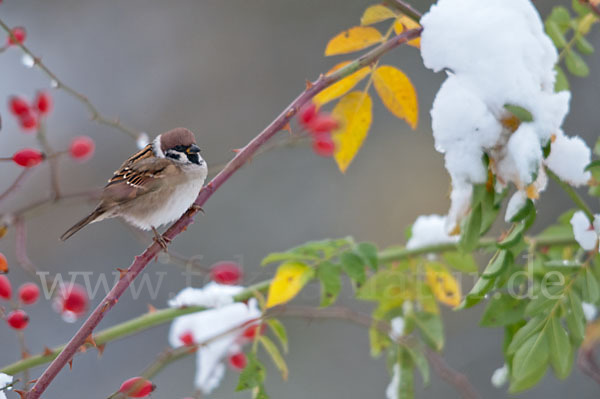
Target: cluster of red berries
320 125
19 34
28 116
28 294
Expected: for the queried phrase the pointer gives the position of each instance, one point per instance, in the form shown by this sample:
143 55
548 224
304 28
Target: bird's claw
198 208
161 240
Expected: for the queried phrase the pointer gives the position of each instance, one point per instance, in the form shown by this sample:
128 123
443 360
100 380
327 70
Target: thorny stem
159 317
59 84
573 194
243 156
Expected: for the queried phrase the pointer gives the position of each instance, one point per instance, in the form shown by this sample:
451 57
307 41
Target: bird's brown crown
179 136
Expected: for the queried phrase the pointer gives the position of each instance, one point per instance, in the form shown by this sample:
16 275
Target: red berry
28 120
19 34
226 272
29 293
82 148
187 338
324 147
72 301
28 157
254 329
307 113
18 105
5 288
137 387
238 361
323 123
43 102
17 319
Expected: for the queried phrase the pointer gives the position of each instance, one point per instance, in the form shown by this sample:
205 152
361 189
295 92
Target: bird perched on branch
154 186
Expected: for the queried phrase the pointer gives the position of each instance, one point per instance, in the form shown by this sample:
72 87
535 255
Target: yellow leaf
405 22
342 86
375 14
354 110
288 281
443 285
397 93
353 39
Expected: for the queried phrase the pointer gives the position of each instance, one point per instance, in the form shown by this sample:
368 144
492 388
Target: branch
181 225
16 184
573 194
158 317
404 8
59 84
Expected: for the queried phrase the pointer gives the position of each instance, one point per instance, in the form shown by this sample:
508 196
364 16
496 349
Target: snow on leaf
353 39
397 93
354 110
342 86
288 281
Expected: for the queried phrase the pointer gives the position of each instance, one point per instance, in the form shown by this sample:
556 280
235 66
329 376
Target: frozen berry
5 288
19 34
323 124
137 387
238 361
28 120
17 319
187 338
28 157
18 105
253 330
29 293
43 102
71 302
82 148
324 147
226 272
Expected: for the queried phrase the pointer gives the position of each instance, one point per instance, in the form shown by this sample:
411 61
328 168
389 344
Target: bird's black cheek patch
193 158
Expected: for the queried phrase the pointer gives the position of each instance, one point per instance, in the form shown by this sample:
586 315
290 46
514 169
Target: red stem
244 155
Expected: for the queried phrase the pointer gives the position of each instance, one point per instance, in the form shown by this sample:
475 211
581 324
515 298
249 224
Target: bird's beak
193 149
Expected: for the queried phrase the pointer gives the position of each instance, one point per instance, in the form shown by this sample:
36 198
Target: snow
397 328
568 158
486 71
515 204
5 380
392 390
585 234
216 329
500 376
429 230
590 311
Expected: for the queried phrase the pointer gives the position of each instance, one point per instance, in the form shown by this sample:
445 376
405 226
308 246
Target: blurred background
225 69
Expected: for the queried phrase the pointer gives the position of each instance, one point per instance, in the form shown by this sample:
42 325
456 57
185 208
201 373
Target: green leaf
560 349
525 332
557 231
331 284
419 359
272 350
515 236
460 261
386 285
498 264
503 310
591 290
529 363
253 375
279 331
431 328
278 257
592 165
406 389
354 267
579 8
561 16
553 30
524 212
378 340
368 252
544 300
583 45
477 293
472 227
562 82
521 113
575 318
597 148
576 65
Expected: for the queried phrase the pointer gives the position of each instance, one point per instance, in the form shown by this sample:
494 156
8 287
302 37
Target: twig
158 317
573 194
59 84
52 159
236 163
404 8
16 184
21 247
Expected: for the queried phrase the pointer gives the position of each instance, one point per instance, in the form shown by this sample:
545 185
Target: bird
154 186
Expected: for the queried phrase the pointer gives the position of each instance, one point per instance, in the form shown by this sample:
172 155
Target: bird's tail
92 217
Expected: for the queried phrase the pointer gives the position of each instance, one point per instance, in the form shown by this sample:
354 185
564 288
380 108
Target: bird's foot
160 239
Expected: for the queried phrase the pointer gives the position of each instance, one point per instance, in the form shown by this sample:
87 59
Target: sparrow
153 187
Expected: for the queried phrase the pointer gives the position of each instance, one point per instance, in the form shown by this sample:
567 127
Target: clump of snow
515 204
568 158
212 295
585 233
5 380
499 55
589 311
397 328
429 230
392 389
216 331
500 376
